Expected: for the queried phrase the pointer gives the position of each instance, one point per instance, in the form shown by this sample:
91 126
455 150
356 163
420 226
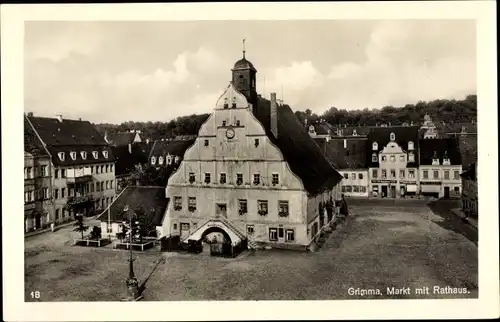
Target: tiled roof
349 130
440 148
468 149
172 147
353 156
67 132
456 127
302 154
32 143
321 128
70 136
125 138
403 135
127 160
152 200
470 173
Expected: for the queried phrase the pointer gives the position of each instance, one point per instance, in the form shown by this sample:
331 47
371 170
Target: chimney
345 144
130 148
274 115
30 114
59 117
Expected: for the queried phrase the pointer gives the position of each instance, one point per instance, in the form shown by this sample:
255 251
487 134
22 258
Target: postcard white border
12 36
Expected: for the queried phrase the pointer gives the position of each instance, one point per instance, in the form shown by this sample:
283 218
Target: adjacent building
469 192
81 167
253 174
169 153
148 203
38 205
392 159
440 168
127 159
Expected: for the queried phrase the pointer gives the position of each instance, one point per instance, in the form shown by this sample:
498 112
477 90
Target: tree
96 232
79 224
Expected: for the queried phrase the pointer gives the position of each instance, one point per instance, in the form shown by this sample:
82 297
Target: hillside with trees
450 111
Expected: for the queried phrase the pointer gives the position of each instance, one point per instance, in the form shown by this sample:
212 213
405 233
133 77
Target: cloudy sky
155 71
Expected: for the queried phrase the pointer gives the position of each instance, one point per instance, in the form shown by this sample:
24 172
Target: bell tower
244 78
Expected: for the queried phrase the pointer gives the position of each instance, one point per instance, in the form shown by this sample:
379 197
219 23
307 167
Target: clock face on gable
230 133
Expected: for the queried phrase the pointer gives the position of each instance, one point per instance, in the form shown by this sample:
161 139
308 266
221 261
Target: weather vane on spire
244 47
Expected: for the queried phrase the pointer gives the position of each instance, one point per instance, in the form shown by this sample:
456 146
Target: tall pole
131 267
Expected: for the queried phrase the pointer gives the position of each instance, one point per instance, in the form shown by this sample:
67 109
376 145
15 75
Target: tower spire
244 47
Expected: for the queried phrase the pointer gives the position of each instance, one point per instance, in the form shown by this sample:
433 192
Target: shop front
431 188
408 188
384 188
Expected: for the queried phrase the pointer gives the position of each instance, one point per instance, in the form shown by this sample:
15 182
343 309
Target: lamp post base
132 290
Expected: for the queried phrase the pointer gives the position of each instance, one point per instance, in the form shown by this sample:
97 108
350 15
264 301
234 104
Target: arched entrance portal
218 246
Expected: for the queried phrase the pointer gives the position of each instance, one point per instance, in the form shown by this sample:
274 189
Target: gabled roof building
253 174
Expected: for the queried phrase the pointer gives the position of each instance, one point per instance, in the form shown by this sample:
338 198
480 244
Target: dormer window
160 160
410 145
95 154
435 159
226 105
311 129
463 129
153 160
411 157
234 102
84 155
256 142
105 154
61 156
374 157
354 133
206 143
374 146
392 136
72 155
177 159
169 159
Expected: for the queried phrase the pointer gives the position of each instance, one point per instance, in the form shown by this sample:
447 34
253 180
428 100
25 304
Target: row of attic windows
411 146
167 160
226 103
83 154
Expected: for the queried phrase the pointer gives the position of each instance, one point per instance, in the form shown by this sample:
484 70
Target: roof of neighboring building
321 128
353 156
470 173
172 147
150 200
468 149
440 148
123 138
70 136
32 143
127 160
349 130
67 132
302 154
456 127
403 135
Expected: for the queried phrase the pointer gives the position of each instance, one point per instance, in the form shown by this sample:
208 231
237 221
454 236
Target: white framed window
446 175
425 174
72 155
402 158
61 156
153 160
276 179
95 154
411 157
354 133
250 229
346 176
456 175
374 157
393 158
353 176
410 145
169 159
436 174
435 161
392 136
160 160
84 155
401 174
177 159
311 129
384 158
105 154
360 176
273 234
256 179
384 173
43 171
411 174
290 235
446 161
283 209
374 146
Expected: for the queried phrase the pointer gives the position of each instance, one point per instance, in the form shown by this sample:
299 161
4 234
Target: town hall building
253 174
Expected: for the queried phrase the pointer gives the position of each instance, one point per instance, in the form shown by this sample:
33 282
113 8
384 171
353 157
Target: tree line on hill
450 111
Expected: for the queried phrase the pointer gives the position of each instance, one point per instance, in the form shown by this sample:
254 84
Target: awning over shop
411 188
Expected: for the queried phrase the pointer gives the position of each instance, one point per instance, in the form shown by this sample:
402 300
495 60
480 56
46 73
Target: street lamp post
131 282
